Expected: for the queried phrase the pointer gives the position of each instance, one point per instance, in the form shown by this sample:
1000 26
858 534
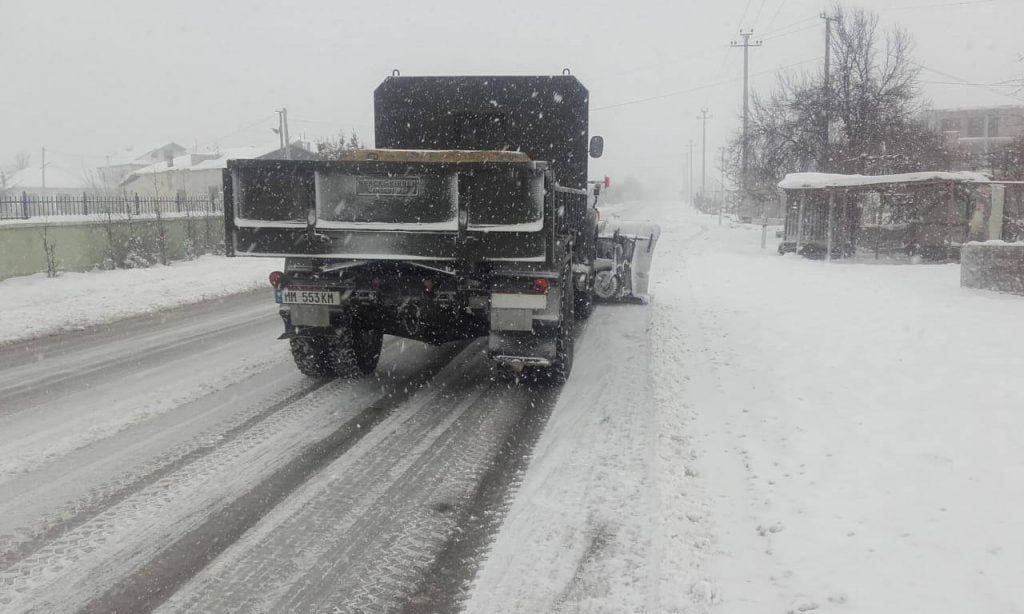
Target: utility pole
703 153
43 169
721 202
690 182
282 130
826 162
287 140
746 45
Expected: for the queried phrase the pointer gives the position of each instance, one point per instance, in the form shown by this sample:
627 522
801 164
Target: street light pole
690 182
703 153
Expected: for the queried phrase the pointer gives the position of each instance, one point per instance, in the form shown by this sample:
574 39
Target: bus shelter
929 213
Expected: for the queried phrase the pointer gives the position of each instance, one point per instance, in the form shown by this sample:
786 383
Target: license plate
387 186
308 297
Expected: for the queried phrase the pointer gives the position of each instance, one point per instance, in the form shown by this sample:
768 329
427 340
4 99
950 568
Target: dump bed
470 168
391 205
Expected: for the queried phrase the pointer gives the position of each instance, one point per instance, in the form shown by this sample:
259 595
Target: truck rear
471 219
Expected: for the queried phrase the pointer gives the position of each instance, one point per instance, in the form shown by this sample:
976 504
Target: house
122 162
56 181
979 130
199 173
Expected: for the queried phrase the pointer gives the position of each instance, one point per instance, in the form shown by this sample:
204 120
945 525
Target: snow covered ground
35 305
774 434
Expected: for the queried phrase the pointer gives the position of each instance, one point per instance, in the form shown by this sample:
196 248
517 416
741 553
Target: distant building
979 130
57 181
123 162
199 173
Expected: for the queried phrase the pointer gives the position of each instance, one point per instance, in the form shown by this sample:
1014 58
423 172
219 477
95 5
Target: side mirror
596 146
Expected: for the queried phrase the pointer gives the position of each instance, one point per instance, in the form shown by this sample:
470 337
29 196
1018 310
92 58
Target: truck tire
606 285
310 356
584 304
561 367
586 253
354 352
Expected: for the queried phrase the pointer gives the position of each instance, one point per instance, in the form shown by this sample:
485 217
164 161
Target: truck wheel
310 356
354 352
584 304
606 285
558 372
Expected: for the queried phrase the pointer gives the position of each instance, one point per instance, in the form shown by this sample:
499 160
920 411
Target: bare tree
22 159
874 107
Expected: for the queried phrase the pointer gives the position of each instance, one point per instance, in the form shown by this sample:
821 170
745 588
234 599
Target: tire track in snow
89 509
76 369
83 563
364 533
148 586
444 586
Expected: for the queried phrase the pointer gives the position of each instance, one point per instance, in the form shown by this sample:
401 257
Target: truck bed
395 205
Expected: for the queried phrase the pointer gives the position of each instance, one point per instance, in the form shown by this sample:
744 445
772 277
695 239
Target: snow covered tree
330 149
353 141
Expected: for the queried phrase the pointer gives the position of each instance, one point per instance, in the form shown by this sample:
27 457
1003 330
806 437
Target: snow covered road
180 460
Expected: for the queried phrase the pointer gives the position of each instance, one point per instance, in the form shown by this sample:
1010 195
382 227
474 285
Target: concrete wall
83 245
993 265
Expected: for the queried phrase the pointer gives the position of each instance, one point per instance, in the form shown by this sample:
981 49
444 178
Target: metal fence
25 206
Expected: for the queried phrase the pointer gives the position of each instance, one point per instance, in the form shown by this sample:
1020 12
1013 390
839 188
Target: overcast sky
87 78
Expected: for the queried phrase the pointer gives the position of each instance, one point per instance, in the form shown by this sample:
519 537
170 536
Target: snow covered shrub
49 253
161 238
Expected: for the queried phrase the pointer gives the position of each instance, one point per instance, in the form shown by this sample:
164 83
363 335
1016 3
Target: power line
702 87
721 67
937 5
248 126
1001 84
74 155
774 36
777 11
744 15
967 82
788 26
759 9
303 120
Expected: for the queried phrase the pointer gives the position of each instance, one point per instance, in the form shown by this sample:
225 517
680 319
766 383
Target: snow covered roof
204 161
433 155
816 181
56 178
142 155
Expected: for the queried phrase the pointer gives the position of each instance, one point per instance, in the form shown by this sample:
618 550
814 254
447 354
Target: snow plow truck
471 218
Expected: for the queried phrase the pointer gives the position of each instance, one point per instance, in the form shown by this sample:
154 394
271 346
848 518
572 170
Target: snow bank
93 218
35 305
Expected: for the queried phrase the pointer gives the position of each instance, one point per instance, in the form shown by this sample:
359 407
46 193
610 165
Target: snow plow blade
624 254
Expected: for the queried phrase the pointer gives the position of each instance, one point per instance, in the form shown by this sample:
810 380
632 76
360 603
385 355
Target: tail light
276 279
540 285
